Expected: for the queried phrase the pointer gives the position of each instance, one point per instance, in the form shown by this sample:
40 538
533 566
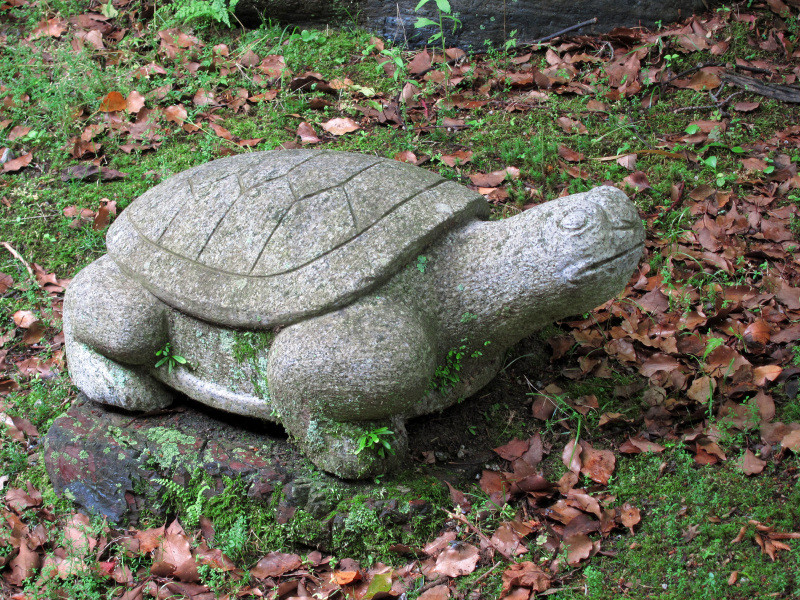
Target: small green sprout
422 262
167 357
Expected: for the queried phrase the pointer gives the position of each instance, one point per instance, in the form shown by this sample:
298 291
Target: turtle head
601 239
573 253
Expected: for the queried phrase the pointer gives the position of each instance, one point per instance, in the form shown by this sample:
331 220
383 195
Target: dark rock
108 461
480 20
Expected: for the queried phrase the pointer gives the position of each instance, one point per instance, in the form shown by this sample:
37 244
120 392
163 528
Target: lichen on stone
170 442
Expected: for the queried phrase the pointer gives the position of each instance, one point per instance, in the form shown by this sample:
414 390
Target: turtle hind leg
108 382
344 382
112 329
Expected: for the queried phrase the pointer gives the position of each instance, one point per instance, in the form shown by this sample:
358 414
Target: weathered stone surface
112 361
481 20
266 239
419 298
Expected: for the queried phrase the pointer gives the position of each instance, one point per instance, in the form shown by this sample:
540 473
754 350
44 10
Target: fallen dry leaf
597 465
457 559
569 154
637 445
579 547
18 132
176 114
113 102
406 156
221 131
345 577
307 134
763 375
53 28
23 566
571 126
457 158
526 575
750 464
275 564
638 180
571 456
438 592
340 126
791 441
24 318
34 333
272 65
18 163
77 536
629 516
6 282
507 541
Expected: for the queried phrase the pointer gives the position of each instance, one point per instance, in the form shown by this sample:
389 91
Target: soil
461 438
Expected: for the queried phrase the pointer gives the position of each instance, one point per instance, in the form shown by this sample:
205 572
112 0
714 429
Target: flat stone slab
108 460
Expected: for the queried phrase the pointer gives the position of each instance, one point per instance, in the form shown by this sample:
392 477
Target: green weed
376 438
166 356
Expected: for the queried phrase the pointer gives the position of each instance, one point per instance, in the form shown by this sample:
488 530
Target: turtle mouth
579 272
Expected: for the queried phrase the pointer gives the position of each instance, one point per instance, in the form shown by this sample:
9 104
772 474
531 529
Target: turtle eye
576 219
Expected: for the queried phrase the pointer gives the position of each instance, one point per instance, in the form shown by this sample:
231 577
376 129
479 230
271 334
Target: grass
685 549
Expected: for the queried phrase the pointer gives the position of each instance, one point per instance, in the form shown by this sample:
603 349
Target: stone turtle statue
336 293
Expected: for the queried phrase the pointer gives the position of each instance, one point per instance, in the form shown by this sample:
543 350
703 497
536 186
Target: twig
635 129
595 140
402 25
481 578
719 104
462 519
754 69
784 93
563 31
716 64
432 584
17 255
690 71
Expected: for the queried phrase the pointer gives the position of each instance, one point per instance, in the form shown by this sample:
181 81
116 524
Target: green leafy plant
190 504
376 438
169 358
445 12
308 36
395 58
449 373
219 11
712 344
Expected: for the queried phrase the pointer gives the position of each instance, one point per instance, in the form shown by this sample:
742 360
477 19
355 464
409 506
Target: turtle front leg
343 384
112 330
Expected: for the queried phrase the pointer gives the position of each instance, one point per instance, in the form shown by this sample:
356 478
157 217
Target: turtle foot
354 450
108 382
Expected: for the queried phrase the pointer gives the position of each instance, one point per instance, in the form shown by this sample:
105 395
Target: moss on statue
251 347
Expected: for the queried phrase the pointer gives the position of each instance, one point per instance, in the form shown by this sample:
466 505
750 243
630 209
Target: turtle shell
268 238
